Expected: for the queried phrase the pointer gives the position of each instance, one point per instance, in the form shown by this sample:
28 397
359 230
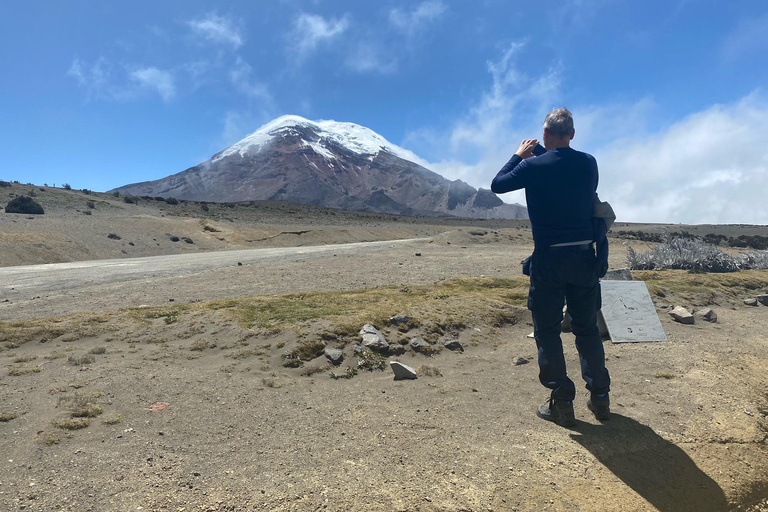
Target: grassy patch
24 359
72 423
5 417
98 350
81 360
21 369
665 375
114 420
47 438
370 361
703 288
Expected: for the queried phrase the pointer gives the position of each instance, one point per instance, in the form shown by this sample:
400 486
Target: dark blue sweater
560 189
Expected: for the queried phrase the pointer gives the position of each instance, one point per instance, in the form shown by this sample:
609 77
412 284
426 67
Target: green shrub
24 204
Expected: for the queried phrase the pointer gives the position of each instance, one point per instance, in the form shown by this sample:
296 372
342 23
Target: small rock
402 371
373 339
452 344
188 240
682 315
399 319
418 254
417 344
519 361
763 299
174 239
357 349
750 302
114 236
398 350
707 314
239 264
334 355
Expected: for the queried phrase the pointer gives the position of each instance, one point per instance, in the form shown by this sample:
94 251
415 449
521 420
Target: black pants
557 274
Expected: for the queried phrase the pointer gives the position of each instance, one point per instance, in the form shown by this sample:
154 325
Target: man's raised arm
512 175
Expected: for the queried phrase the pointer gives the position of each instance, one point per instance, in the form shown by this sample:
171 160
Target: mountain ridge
327 163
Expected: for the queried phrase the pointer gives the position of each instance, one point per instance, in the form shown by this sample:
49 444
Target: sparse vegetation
5 417
430 371
24 358
20 369
66 186
114 420
25 205
91 205
665 375
370 361
72 423
81 360
692 254
98 350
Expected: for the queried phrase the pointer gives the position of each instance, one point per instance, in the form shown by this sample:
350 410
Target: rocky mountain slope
327 163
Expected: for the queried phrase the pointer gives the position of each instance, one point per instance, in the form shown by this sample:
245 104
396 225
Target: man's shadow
653 467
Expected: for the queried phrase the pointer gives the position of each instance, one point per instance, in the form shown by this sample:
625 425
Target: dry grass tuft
72 423
21 369
5 417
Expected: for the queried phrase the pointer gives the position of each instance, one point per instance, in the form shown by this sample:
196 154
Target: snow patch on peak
355 138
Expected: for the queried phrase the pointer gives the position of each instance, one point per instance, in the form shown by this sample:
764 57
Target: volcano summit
327 163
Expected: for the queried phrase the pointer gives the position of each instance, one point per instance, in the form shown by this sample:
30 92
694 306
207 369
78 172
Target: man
561 190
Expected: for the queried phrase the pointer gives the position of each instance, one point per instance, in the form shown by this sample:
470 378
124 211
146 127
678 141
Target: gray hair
559 122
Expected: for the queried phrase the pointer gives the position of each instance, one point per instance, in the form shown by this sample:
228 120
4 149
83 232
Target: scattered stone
334 355
174 239
239 264
402 372
113 236
373 339
519 361
452 344
399 319
682 315
621 274
750 302
763 299
418 254
357 349
398 350
188 240
707 314
532 335
478 233
417 344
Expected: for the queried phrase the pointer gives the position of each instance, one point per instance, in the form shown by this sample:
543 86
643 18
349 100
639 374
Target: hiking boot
600 407
557 411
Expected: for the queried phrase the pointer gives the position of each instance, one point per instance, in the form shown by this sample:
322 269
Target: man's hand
526 148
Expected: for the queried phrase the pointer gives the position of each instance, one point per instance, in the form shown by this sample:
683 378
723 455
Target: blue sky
668 95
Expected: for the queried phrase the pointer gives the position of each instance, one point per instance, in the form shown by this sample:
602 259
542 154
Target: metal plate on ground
629 312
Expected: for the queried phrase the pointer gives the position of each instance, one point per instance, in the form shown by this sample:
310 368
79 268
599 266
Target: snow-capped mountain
327 163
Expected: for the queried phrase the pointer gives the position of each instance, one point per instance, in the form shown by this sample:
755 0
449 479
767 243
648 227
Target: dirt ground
190 408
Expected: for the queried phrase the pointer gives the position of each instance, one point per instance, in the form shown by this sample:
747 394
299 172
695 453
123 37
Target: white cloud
95 79
311 30
158 80
476 146
413 21
217 29
710 167
370 58
240 76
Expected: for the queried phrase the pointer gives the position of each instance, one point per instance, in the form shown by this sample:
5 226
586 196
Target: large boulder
24 204
373 339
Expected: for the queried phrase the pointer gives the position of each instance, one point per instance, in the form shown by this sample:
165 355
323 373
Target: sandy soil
199 413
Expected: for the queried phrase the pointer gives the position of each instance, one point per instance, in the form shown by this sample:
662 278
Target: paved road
35 279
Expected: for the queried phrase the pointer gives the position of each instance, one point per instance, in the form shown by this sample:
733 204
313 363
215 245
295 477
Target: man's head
558 128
